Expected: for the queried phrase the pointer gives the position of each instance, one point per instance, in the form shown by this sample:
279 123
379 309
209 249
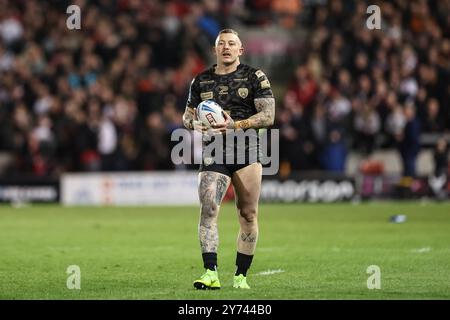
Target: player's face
228 48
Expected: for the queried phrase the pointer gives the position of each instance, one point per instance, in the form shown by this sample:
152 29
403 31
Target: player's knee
209 209
249 214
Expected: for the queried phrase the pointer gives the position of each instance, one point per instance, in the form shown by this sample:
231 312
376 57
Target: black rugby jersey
235 93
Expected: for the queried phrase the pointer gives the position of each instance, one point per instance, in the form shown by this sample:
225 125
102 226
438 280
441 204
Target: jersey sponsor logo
223 89
243 92
259 73
206 95
240 79
207 82
265 84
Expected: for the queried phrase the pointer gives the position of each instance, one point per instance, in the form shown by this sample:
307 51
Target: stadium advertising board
180 188
29 190
297 188
396 187
157 188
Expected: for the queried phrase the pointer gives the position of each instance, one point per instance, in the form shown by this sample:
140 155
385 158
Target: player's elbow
186 121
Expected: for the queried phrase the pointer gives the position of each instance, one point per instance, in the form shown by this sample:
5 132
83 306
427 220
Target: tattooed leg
212 188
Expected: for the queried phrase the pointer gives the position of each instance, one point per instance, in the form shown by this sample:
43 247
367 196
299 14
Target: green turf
323 252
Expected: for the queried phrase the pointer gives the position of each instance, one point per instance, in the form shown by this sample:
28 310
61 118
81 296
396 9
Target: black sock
210 260
243 262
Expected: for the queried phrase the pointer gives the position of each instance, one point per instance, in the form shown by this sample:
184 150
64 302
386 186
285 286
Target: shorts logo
208 161
243 92
206 95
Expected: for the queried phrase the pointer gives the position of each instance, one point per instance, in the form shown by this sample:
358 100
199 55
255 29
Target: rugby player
245 95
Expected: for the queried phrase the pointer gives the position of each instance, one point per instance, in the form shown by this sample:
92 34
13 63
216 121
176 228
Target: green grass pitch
318 251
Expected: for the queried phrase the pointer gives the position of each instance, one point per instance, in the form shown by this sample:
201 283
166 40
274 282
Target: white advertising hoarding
131 189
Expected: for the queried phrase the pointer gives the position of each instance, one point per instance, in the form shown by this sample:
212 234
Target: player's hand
222 128
199 126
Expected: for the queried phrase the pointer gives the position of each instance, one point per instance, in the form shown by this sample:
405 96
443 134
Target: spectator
304 88
334 151
367 125
433 122
409 141
441 157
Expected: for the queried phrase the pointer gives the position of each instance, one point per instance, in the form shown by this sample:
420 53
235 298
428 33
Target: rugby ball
209 113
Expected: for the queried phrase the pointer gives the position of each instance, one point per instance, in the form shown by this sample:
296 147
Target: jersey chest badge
243 92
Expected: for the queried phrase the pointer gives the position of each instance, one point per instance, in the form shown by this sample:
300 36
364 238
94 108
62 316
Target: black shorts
226 169
250 154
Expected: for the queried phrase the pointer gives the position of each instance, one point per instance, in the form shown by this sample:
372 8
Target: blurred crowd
107 96
361 89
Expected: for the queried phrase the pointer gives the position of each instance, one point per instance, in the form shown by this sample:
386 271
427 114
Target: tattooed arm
264 104
188 118
264 118
190 121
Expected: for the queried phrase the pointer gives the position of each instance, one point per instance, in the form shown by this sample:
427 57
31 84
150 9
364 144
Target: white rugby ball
209 113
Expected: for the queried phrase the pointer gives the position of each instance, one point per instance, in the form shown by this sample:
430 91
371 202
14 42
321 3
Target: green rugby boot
240 282
209 280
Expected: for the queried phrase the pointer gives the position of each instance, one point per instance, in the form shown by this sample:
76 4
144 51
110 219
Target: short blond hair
227 31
